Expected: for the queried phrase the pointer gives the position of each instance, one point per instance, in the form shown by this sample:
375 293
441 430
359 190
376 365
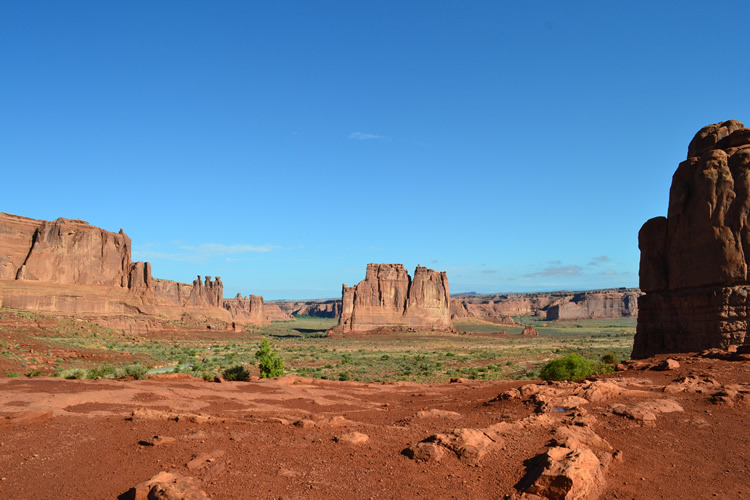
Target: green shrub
34 373
137 371
238 372
345 376
269 362
610 358
77 373
570 367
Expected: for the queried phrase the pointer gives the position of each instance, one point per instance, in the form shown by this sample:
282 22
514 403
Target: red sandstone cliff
70 266
388 297
694 262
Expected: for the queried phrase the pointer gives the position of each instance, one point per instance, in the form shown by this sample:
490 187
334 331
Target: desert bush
570 367
343 376
610 358
71 374
137 371
269 362
236 373
574 367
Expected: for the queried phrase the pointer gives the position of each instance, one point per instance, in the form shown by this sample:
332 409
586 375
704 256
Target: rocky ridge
70 266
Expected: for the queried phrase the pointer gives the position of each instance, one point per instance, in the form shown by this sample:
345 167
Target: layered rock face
389 298
694 262
592 304
63 251
70 266
247 310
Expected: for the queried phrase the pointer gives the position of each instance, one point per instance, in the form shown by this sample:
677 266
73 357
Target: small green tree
269 362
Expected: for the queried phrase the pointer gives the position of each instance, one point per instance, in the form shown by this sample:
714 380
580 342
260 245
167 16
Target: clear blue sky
283 145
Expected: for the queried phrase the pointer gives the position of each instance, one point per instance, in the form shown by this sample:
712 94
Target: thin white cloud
362 136
571 270
196 253
221 249
609 272
595 261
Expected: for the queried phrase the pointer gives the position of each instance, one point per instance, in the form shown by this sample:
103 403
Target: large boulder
694 262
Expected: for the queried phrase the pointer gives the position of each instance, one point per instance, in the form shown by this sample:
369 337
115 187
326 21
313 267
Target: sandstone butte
694 261
389 298
69 266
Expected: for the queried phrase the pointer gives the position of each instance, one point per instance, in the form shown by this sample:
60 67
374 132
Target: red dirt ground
73 439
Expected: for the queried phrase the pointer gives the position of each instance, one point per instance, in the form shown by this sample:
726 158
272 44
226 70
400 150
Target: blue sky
519 146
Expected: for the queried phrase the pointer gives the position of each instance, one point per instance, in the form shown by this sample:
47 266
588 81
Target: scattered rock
645 412
667 364
693 384
425 452
436 412
168 486
204 460
157 441
355 438
564 473
469 445
26 417
305 423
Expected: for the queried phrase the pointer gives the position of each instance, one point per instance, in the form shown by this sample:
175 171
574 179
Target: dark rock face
694 262
388 297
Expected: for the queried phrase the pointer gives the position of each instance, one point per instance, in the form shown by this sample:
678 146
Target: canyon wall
694 262
564 305
388 298
328 308
70 266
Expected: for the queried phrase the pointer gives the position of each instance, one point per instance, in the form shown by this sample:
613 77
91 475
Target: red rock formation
694 262
530 331
70 266
389 298
248 310
63 251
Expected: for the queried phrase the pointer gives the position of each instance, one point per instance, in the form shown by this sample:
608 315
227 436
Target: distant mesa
70 266
694 262
389 298
552 306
